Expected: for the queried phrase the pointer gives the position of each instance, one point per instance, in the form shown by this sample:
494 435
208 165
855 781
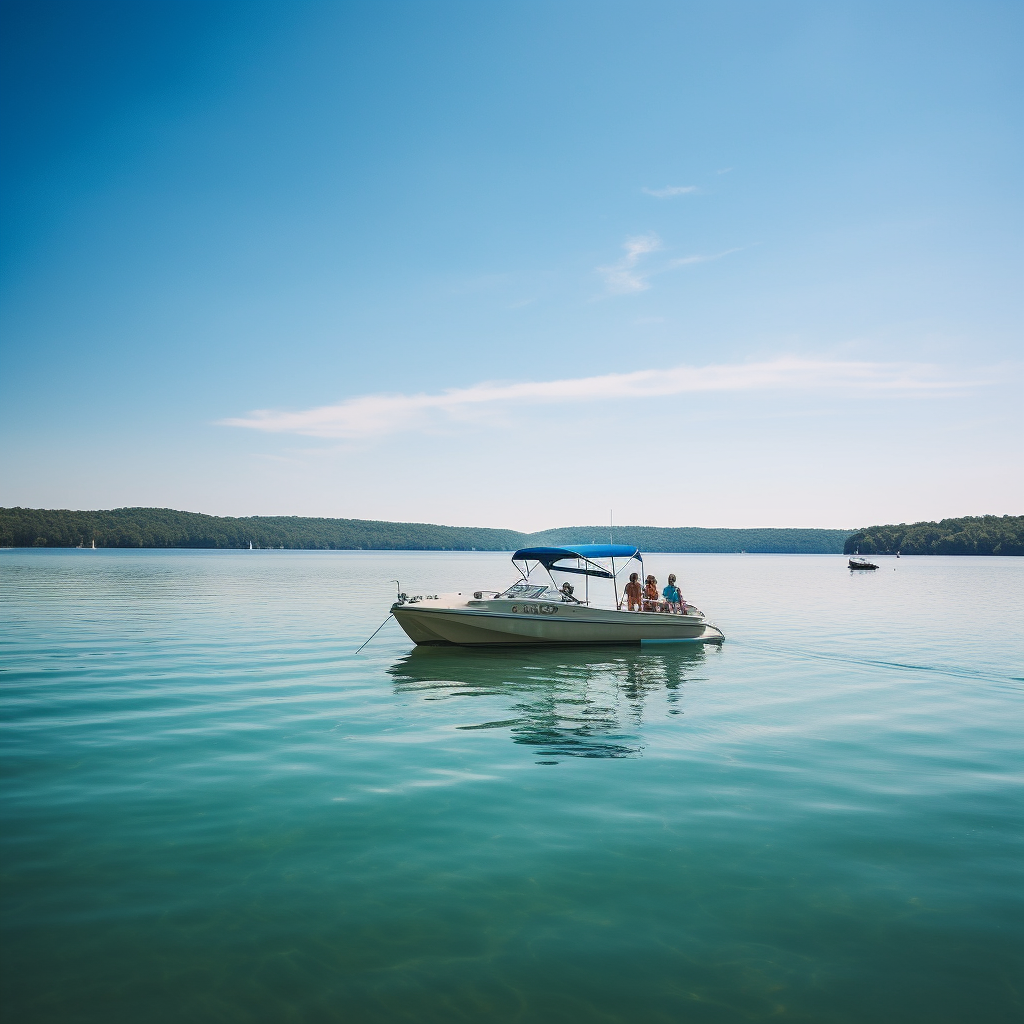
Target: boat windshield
528 591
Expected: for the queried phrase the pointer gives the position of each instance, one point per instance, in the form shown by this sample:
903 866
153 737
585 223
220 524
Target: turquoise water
215 810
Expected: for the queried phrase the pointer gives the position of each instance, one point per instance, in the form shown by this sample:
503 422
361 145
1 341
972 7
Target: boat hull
500 624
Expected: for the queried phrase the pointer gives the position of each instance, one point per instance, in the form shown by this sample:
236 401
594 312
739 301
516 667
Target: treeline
700 540
972 535
166 528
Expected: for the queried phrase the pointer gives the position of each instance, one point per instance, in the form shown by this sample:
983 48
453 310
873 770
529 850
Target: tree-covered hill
698 539
972 535
166 528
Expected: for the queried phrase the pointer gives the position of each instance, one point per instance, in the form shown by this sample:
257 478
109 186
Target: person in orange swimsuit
632 593
651 595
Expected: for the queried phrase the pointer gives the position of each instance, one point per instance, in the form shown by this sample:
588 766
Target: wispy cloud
632 273
686 261
670 190
625 276
374 415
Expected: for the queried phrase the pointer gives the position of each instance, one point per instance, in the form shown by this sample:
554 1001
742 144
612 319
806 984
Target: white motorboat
531 612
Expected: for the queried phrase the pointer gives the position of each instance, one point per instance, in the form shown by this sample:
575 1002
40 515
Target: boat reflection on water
564 702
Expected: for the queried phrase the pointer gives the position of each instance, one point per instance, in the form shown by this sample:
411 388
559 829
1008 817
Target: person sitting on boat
673 597
632 592
567 589
651 595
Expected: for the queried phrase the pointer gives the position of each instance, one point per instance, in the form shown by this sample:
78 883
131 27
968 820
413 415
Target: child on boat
632 593
673 598
651 595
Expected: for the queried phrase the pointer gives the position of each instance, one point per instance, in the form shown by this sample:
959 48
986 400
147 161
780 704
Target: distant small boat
860 563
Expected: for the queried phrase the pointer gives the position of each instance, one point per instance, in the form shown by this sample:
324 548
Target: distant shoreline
169 528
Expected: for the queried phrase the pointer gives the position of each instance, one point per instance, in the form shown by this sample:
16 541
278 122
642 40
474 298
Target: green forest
696 540
166 528
972 535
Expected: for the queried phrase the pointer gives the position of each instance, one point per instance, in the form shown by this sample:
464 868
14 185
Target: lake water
215 810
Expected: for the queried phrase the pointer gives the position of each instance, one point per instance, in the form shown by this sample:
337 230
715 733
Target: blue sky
514 265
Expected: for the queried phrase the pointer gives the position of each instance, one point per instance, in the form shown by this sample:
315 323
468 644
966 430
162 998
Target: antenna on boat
611 520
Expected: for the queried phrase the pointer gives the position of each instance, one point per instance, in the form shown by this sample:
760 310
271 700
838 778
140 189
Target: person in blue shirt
673 598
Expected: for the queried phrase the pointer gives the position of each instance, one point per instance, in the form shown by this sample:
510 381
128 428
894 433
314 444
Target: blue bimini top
548 556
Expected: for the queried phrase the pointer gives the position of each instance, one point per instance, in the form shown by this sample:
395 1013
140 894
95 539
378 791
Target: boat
861 563
547 613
